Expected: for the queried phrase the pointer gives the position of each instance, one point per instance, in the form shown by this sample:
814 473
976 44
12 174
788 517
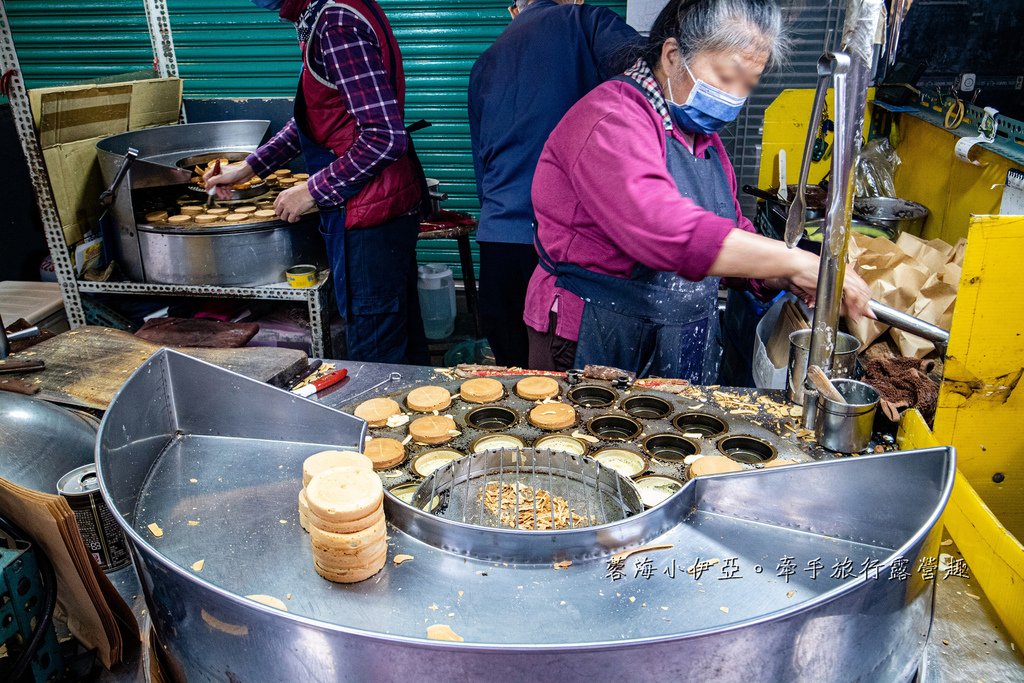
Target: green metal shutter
63 41
228 48
440 42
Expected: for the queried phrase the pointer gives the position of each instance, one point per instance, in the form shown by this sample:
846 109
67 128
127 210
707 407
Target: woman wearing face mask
635 197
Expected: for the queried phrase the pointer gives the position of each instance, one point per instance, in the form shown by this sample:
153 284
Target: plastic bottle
436 287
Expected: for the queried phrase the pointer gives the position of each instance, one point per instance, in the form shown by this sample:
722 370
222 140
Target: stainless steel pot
815 198
847 427
895 216
243 255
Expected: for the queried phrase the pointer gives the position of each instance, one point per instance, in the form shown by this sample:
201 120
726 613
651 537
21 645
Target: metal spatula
211 192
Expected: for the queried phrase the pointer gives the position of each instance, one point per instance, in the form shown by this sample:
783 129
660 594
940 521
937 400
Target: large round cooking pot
893 215
247 255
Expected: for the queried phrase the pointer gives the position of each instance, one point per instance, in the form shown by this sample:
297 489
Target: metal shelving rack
316 298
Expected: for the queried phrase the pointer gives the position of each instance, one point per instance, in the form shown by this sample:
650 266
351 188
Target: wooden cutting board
87 366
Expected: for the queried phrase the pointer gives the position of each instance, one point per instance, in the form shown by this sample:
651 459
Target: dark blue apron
332 220
654 323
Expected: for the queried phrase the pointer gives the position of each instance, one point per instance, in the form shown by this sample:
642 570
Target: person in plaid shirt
364 181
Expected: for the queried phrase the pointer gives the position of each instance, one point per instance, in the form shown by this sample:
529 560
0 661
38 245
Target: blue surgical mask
268 4
707 109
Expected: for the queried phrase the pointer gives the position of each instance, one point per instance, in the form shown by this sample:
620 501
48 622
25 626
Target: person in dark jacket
551 55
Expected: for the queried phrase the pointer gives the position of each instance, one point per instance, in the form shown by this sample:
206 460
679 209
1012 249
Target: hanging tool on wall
822 149
897 11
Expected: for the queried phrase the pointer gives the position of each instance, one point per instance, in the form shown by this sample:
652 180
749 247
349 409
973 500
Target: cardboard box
76 113
72 119
77 182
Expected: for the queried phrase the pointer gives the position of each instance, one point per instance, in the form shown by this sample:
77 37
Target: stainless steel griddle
187 441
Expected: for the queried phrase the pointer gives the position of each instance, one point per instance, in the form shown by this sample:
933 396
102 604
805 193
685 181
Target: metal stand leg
22 111
469 279
319 304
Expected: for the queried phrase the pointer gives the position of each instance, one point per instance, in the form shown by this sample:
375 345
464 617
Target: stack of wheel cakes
341 505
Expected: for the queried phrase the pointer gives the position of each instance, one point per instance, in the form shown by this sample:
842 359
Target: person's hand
856 296
293 202
802 281
228 176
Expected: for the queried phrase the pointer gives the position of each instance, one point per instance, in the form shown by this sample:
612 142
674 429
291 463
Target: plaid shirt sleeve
352 61
278 151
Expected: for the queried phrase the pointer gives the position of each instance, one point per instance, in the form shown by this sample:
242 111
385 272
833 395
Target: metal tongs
211 192
829 64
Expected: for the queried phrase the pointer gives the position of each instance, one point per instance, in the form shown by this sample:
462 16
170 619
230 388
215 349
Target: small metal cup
846 427
844 364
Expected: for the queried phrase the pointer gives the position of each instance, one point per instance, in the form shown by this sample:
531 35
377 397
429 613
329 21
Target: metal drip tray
187 442
528 490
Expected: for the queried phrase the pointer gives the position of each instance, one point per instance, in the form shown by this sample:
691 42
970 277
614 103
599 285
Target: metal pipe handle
26 333
107 196
908 323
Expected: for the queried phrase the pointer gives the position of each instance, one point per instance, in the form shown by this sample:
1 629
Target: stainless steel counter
963 621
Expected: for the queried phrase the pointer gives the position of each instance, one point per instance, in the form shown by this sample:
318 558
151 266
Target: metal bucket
846 427
844 364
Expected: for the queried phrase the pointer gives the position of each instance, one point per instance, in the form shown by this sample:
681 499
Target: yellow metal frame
785 128
929 173
994 555
981 400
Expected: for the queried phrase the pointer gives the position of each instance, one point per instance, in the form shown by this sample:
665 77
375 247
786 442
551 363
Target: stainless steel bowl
895 216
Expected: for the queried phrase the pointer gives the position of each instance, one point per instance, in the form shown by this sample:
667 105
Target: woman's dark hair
720 26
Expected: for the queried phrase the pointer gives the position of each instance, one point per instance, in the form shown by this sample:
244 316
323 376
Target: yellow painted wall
785 127
952 190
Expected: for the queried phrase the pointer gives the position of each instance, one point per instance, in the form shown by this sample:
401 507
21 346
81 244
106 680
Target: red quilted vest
396 190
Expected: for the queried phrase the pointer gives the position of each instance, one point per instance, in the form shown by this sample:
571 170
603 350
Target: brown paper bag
916 276
894 280
96 614
931 255
934 305
958 252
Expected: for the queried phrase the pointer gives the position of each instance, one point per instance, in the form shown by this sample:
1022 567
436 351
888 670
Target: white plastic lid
434 271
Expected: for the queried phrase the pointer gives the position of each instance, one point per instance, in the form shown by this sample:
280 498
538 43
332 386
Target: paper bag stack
916 276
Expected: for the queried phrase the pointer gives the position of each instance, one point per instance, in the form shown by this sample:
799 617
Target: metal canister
844 364
846 427
97 525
